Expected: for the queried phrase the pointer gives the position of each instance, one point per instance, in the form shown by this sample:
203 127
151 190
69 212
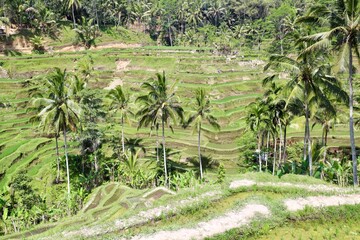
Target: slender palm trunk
259 155
308 141
267 151
164 152
351 118
274 158
57 159
170 37
157 145
310 156
199 151
326 136
280 143
119 20
67 162
284 150
96 13
96 165
305 134
73 14
122 135
325 150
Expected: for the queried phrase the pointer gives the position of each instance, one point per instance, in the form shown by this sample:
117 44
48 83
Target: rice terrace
195 119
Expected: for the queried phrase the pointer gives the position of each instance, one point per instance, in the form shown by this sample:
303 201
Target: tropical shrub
86 33
37 43
183 180
220 174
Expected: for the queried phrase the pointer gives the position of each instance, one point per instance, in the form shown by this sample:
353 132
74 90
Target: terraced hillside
249 205
232 82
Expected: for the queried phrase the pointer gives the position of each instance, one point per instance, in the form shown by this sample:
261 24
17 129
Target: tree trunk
280 144
164 152
310 155
119 20
308 141
305 134
96 165
274 157
170 37
57 159
267 151
122 135
96 13
157 145
73 14
284 150
326 136
351 122
199 151
259 155
67 165
325 151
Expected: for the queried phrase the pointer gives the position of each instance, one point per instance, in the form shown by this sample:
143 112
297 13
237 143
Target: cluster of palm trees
312 90
60 110
173 22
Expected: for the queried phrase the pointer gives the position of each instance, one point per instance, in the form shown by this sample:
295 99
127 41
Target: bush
220 174
182 180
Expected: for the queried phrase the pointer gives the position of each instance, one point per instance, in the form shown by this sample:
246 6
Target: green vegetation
77 99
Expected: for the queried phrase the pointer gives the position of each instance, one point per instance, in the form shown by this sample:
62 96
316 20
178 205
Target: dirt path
308 187
120 66
73 48
233 219
321 201
236 219
142 217
26 48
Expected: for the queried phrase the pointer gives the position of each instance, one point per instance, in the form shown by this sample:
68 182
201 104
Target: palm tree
345 29
59 109
258 121
216 11
87 32
310 81
74 4
181 15
159 104
120 102
132 144
195 15
202 113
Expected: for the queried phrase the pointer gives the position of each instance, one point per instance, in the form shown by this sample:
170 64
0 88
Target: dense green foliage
302 79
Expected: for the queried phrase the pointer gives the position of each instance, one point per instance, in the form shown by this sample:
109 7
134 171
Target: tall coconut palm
310 80
216 10
159 104
195 15
345 29
59 109
73 4
120 102
202 113
258 121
